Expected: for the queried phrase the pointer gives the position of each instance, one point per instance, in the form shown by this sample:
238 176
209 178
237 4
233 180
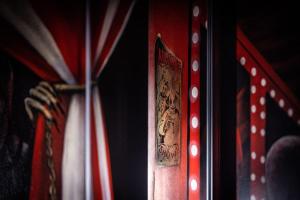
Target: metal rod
209 105
87 168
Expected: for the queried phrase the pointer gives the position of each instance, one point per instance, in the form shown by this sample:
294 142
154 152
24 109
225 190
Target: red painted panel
171 20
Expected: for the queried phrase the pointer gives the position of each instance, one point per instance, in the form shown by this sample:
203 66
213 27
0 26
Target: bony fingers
28 108
49 87
32 103
52 100
36 93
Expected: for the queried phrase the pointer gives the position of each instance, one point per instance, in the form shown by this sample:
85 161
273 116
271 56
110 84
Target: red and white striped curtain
49 38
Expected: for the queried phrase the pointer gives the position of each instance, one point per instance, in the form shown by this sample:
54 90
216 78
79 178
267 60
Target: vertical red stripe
95 162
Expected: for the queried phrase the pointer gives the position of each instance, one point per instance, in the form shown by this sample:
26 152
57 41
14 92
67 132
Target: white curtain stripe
73 152
108 19
101 146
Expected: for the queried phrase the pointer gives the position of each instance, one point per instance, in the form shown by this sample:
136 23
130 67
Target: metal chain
50 160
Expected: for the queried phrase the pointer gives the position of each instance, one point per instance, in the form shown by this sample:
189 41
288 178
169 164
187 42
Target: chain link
50 160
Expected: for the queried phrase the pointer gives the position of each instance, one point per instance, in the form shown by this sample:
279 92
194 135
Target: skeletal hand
43 99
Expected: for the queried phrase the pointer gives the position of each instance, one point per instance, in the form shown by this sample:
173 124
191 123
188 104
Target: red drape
25 28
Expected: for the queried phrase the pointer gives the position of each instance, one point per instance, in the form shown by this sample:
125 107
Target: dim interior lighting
253 89
263 115
262 179
290 112
194 150
196 11
194 92
281 103
243 61
263 82
252 177
253 71
195 38
253 155
253 129
194 122
253 108
262 100
262 132
262 159
298 122
195 65
194 184
252 197
272 93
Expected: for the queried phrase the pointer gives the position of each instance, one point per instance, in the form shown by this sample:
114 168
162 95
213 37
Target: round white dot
263 82
262 100
194 185
272 93
206 24
194 92
281 103
262 159
194 122
253 129
196 11
253 155
252 177
262 115
290 112
194 150
252 197
253 108
253 89
253 71
195 65
262 179
262 132
243 61
195 38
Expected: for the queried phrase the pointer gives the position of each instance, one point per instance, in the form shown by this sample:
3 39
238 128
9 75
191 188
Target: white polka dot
290 112
194 122
253 89
243 61
272 93
194 185
263 82
253 108
262 132
253 129
194 150
262 179
252 177
262 100
206 24
196 11
252 197
262 159
253 155
262 115
281 103
253 71
298 122
195 65
195 38
194 92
